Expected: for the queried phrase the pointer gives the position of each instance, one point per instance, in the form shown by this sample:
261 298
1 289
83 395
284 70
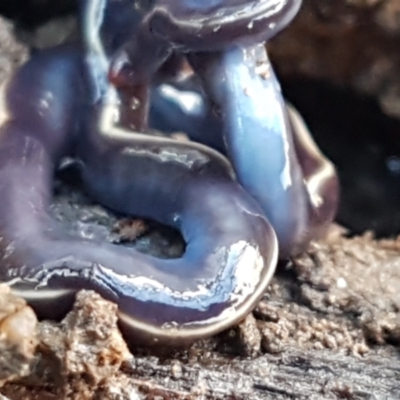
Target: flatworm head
214 24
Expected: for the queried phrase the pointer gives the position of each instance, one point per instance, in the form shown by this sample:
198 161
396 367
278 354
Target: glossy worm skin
92 102
259 139
300 190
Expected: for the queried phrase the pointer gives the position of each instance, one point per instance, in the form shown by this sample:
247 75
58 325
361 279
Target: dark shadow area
364 144
82 217
30 13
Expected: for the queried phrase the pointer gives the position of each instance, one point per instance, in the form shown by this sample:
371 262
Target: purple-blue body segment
258 137
179 107
83 101
186 186
275 161
189 26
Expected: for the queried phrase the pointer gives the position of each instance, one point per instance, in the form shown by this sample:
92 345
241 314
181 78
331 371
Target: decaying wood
294 374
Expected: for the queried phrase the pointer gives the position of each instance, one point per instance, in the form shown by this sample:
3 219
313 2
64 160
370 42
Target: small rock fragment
18 336
250 336
87 345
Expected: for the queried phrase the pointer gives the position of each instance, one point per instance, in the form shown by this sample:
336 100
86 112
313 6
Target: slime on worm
76 101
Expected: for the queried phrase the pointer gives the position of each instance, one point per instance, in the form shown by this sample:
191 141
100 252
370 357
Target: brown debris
250 336
130 229
302 329
87 346
18 337
358 278
80 357
344 297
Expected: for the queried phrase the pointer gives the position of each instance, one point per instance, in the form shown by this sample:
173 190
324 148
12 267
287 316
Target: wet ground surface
364 145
